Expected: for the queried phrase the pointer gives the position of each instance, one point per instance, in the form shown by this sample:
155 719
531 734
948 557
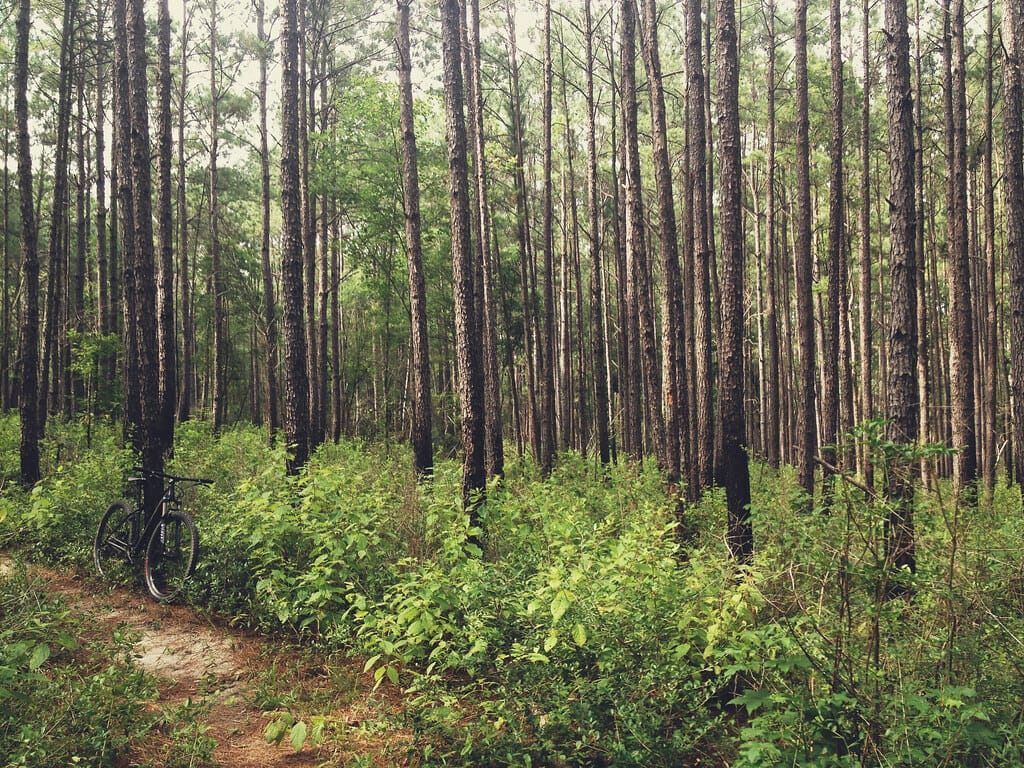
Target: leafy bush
62 701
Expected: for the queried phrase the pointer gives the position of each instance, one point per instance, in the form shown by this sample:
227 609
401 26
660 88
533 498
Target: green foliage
63 701
578 632
54 519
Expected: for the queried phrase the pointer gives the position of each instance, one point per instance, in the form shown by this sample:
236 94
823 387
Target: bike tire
115 536
171 555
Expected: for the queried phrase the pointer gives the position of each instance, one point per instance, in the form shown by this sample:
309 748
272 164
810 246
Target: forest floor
220 687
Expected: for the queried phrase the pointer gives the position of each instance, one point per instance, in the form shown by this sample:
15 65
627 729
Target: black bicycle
165 537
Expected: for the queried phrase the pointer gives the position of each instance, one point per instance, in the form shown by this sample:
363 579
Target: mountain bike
165 537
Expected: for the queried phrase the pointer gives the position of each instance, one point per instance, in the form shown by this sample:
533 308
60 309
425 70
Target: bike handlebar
164 476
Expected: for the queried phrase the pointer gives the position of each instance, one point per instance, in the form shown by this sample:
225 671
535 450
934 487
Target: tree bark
705 416
28 342
1013 154
422 446
638 272
965 467
836 242
467 339
269 307
598 343
185 395
220 347
673 383
165 233
296 385
147 438
902 403
493 427
546 352
806 427
732 471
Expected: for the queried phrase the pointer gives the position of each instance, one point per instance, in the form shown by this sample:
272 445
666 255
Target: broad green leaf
39 656
579 634
560 605
298 735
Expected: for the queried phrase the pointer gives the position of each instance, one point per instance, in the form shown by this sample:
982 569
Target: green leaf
39 656
298 735
560 605
579 634
752 699
392 675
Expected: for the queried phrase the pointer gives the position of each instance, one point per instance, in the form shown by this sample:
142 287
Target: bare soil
235 683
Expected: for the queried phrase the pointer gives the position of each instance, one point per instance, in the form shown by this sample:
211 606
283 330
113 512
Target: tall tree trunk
546 352
220 347
773 404
53 334
902 359
103 307
165 234
806 427
147 439
422 446
468 352
673 383
306 112
703 333
866 400
522 232
28 342
269 310
836 241
123 182
598 342
638 273
923 386
993 350
185 395
1013 149
732 471
495 454
296 377
965 467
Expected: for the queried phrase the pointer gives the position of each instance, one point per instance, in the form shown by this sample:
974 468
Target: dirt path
229 685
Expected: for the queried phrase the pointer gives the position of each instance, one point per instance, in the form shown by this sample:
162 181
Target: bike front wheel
115 538
171 555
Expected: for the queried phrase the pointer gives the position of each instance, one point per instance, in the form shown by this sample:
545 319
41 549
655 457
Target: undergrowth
582 631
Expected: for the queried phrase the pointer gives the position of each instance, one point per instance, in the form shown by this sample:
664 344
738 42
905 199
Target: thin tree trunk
773 403
732 471
185 395
468 351
596 286
902 405
147 438
296 386
702 250
836 242
1013 149
546 352
269 307
28 343
866 353
165 232
422 446
990 376
673 383
965 467
216 267
493 428
806 427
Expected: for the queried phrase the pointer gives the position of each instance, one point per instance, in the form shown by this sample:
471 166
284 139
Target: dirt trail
228 673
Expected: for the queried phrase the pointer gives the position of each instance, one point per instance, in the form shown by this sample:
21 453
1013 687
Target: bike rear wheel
171 554
115 537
